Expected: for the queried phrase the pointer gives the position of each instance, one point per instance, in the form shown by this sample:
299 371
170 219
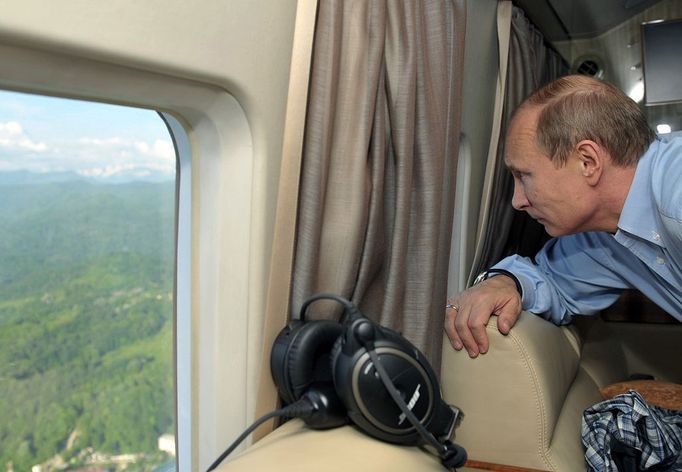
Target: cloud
11 128
161 149
107 142
12 136
101 156
137 159
107 171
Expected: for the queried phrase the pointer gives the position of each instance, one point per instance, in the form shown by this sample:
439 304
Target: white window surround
219 300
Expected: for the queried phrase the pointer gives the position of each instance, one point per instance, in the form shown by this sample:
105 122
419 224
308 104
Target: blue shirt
586 272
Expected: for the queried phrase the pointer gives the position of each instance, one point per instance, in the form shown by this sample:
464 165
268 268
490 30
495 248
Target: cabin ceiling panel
560 20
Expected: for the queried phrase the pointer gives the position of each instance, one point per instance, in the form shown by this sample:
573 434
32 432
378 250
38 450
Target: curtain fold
377 186
531 64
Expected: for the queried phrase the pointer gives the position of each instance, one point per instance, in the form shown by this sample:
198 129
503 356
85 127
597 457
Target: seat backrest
523 400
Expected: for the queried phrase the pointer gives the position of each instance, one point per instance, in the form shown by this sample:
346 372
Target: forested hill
49 227
86 275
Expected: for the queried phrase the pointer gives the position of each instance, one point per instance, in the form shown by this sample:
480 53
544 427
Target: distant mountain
23 177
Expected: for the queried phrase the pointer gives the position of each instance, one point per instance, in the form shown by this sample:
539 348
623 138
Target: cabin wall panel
222 68
478 101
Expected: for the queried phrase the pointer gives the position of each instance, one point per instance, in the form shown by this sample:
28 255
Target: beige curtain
531 64
379 162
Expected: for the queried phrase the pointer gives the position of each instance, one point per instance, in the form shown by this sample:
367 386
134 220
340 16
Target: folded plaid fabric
626 430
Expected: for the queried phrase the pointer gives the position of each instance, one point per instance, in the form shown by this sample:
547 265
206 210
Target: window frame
215 345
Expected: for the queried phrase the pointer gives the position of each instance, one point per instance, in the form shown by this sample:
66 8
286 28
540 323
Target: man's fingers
478 321
451 312
507 318
465 335
467 314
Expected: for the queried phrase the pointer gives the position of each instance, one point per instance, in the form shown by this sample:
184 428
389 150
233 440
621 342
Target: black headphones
360 372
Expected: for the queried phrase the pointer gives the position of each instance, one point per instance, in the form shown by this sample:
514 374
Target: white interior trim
222 182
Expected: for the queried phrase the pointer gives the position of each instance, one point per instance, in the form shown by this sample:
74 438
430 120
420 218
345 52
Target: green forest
86 282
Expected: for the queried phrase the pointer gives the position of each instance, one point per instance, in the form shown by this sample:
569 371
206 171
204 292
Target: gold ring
450 305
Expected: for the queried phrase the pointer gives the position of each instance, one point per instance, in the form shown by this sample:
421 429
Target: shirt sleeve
571 275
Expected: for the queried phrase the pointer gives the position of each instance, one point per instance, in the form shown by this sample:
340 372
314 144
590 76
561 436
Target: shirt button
656 236
660 260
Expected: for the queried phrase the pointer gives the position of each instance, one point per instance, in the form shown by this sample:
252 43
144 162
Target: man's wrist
487 274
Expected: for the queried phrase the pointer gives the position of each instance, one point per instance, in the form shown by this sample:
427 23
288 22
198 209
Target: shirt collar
638 217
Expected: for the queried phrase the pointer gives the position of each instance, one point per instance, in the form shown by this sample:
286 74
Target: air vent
590 66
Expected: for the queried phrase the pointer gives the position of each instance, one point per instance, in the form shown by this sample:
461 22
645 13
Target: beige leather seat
523 400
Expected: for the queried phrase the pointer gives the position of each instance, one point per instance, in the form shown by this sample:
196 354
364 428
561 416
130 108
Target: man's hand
466 320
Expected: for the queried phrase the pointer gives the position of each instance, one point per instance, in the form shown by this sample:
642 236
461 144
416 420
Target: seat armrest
512 396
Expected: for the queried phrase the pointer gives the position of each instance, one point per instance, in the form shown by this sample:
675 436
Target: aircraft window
87 244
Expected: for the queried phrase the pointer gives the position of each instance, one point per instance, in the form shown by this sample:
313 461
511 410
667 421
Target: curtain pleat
379 161
531 64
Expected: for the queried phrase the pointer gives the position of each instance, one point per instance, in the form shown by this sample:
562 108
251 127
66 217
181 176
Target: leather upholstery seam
541 411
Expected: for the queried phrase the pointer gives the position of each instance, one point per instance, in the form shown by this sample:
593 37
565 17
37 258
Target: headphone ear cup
300 357
334 356
368 401
278 359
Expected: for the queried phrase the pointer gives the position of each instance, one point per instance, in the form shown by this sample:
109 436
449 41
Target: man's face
557 197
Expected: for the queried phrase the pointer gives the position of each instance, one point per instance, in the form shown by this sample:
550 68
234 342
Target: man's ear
592 159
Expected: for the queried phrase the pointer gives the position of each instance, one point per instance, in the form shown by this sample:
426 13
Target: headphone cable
395 395
301 408
451 454
306 405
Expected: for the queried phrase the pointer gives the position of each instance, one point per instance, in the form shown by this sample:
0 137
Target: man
587 166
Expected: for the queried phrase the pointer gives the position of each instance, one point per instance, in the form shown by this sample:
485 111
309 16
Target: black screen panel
662 60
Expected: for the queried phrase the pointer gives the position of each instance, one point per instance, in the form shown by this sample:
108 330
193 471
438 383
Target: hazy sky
45 134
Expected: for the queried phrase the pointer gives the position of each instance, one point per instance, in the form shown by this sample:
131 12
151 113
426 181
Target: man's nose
519 200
